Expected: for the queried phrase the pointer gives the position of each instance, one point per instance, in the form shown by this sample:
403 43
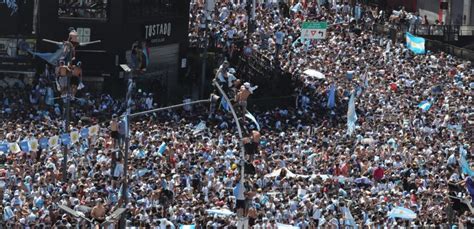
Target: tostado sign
157 31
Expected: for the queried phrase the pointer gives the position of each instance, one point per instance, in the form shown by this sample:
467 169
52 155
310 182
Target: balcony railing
84 10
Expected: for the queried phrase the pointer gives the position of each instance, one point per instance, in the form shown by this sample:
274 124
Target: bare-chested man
62 71
98 211
241 99
76 77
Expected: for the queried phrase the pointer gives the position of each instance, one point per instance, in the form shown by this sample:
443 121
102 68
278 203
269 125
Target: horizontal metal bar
91 51
169 107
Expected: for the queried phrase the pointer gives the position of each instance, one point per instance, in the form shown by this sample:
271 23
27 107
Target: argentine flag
162 148
225 105
351 115
415 44
402 213
254 120
332 97
187 226
425 105
465 167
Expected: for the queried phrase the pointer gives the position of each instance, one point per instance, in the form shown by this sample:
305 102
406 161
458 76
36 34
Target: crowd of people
303 167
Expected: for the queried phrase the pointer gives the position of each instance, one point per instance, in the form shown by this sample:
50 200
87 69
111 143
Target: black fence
397 33
451 49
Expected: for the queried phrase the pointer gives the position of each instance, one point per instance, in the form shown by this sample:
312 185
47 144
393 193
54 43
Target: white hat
247 84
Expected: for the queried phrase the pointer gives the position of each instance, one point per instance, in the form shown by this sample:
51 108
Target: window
150 8
83 35
85 9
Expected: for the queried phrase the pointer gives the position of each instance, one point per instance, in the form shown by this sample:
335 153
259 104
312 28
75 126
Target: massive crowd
306 171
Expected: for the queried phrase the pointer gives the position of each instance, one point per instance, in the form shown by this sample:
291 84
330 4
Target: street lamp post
126 117
204 54
250 16
67 113
239 130
128 97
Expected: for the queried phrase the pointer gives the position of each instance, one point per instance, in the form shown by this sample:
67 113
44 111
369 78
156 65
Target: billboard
160 60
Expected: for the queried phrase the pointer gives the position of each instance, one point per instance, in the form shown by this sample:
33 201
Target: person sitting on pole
221 75
114 131
98 212
62 71
230 77
76 78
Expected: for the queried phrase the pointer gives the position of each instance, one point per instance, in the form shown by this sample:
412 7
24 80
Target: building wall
124 25
472 14
431 8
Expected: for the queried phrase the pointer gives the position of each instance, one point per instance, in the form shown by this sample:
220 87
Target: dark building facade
16 31
161 25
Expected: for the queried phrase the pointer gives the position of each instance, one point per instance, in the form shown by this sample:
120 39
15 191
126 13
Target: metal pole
239 130
66 127
204 57
249 18
123 220
169 107
242 148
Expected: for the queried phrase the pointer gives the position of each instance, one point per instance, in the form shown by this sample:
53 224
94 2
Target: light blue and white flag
285 226
402 213
349 219
254 120
332 97
425 105
125 124
119 194
84 132
358 12
66 139
224 104
4 148
223 212
25 147
142 172
236 190
7 213
43 142
187 226
162 148
465 167
199 127
415 44
351 115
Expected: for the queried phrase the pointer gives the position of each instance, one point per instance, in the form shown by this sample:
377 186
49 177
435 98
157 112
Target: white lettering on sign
153 31
11 4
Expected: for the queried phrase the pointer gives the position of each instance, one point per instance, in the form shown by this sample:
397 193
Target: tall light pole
128 99
241 143
126 118
204 54
239 129
67 113
250 16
